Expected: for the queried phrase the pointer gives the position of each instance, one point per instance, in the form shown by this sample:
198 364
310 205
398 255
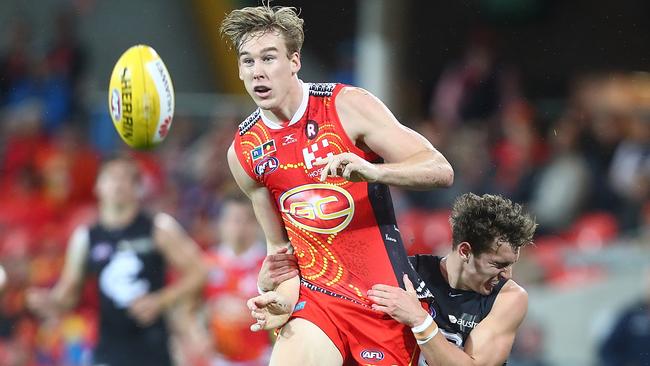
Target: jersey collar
297 116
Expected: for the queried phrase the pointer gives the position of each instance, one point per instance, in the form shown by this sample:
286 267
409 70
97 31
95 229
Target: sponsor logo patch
288 139
267 165
101 251
116 104
299 306
372 355
311 129
261 151
309 153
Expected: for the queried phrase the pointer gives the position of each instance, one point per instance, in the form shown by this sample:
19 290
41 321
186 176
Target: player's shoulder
163 222
357 99
322 89
250 121
513 293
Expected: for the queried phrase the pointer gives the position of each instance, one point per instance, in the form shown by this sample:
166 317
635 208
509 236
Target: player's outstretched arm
271 222
410 159
65 294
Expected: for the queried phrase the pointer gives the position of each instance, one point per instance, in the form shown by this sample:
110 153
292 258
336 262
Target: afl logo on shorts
116 105
372 355
321 208
267 165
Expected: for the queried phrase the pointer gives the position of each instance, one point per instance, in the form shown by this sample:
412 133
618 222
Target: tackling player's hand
276 269
270 310
401 305
349 166
38 302
146 309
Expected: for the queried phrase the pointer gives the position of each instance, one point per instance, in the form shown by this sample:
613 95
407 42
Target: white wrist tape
422 327
430 337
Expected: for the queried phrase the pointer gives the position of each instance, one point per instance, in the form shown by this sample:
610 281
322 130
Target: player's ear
464 251
294 59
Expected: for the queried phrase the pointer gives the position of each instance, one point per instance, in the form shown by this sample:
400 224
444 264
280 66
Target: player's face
117 183
266 69
237 225
484 271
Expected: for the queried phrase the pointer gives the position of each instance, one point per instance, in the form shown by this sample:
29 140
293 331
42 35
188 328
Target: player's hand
402 305
276 269
270 311
38 302
349 166
146 309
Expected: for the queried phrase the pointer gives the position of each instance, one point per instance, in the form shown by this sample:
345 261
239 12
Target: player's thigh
301 342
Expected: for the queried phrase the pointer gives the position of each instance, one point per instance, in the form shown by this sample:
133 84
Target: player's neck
117 217
288 106
451 268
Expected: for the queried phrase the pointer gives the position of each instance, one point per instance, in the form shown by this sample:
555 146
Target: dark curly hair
480 220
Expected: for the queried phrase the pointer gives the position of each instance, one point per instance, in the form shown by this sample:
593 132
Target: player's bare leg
302 343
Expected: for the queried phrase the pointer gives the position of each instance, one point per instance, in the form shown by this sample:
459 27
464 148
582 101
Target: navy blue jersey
127 265
456 312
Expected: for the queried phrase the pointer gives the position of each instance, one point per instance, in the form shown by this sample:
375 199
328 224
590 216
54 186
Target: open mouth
491 285
262 91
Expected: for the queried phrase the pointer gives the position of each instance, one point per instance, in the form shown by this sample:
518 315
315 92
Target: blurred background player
628 340
313 156
233 267
128 252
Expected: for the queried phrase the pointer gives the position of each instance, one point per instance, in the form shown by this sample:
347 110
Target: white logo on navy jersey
119 279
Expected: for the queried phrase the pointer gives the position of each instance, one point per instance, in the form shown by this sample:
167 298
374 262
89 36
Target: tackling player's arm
65 294
488 344
183 254
276 237
491 341
410 159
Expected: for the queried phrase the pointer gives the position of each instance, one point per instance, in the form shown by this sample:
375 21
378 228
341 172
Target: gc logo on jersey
321 208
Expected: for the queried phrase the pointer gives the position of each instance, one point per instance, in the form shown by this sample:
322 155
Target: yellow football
141 98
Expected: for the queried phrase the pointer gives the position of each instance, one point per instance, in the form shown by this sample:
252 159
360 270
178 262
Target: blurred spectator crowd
582 168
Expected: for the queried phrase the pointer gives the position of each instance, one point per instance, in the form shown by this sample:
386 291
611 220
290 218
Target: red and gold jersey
344 233
232 280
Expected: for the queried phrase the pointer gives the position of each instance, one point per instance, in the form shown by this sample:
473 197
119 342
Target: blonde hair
241 23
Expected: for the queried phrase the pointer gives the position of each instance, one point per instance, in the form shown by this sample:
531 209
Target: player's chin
265 103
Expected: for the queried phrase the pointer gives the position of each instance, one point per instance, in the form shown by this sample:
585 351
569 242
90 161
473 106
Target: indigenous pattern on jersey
456 312
344 233
232 280
127 265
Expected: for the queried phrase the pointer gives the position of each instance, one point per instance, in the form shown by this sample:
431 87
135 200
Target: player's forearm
440 352
63 299
424 170
290 290
188 285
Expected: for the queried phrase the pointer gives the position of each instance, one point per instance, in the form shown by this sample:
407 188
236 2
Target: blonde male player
316 161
